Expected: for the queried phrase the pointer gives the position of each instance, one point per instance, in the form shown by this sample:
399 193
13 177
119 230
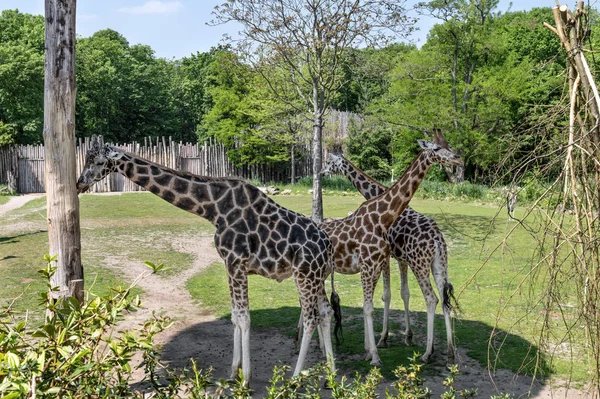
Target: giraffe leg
386 298
298 331
369 283
449 336
240 316
236 364
321 344
245 328
405 293
440 275
325 313
431 301
309 324
366 336
241 344
309 328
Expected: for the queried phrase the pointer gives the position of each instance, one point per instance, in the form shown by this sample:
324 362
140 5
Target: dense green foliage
21 77
483 77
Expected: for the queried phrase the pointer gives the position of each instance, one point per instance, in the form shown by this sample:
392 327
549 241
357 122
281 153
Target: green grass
490 326
140 227
112 228
4 194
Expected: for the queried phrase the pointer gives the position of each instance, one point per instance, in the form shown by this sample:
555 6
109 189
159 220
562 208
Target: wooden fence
23 166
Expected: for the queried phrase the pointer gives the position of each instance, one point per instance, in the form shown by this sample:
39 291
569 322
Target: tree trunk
455 82
59 146
293 164
317 202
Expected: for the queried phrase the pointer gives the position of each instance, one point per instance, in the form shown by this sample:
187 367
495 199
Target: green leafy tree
124 92
473 81
244 114
101 71
189 93
309 39
365 76
148 109
21 77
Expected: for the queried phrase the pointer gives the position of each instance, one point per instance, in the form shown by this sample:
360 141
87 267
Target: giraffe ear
425 144
113 153
428 145
95 143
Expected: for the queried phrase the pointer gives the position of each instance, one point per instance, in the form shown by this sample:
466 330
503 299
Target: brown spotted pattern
360 240
253 235
416 242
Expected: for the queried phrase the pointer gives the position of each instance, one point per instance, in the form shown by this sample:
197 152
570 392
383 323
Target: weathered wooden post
581 186
59 146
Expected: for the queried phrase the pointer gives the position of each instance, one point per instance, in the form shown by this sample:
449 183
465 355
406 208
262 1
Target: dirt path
198 334
17 202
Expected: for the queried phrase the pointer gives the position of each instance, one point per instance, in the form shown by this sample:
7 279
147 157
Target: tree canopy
484 77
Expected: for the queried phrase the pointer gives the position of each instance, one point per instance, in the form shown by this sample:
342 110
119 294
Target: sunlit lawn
138 226
490 291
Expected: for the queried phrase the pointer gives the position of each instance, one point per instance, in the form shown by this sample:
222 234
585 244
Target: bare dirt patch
199 335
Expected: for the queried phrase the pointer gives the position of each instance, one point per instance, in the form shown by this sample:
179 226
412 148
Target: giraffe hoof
426 358
382 343
376 363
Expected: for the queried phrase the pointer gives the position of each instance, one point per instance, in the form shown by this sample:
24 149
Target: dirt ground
198 334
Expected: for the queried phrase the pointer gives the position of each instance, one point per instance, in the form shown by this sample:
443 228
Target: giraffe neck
365 185
195 194
394 201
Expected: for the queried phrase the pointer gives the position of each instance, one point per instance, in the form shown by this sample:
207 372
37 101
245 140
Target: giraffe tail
449 302
337 313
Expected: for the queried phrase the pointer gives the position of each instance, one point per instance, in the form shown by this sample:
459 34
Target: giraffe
360 240
254 235
511 202
415 241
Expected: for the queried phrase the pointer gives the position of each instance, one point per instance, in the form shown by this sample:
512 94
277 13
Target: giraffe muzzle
82 188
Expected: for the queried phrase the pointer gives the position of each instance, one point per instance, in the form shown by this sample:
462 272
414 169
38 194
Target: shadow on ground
210 344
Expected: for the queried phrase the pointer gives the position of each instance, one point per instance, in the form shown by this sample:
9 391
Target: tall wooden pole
59 145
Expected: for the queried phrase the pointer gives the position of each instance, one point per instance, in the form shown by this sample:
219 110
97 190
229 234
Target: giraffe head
99 161
439 151
333 164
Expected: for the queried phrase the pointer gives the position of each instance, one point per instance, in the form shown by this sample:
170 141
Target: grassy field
497 323
498 316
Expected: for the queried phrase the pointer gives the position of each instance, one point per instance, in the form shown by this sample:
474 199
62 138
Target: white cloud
154 7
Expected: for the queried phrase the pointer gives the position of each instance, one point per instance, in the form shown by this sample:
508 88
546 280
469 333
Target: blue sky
177 28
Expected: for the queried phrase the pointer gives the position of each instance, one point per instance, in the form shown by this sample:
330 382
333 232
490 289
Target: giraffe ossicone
415 241
254 235
360 240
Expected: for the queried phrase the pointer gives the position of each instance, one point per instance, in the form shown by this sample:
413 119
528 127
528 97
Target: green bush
465 191
337 183
74 354
469 190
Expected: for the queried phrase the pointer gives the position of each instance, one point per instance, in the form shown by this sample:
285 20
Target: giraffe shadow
15 239
272 343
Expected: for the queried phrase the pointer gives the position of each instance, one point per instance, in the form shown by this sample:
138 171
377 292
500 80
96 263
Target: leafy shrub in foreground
75 353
